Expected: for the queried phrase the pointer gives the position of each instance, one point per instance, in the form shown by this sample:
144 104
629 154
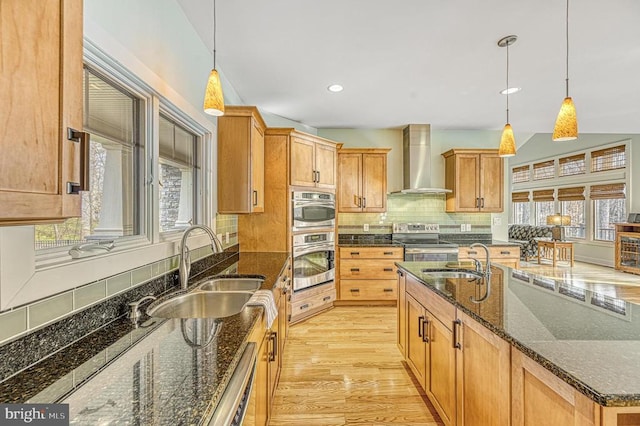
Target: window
573 165
608 159
521 207
520 174
543 202
572 204
178 176
111 208
544 170
608 208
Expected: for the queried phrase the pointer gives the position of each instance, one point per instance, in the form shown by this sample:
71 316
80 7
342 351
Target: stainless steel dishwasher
233 403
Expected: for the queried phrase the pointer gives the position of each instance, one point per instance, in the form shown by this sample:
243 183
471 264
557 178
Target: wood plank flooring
343 368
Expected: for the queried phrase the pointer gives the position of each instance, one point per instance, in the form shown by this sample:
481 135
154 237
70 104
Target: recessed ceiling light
510 90
335 88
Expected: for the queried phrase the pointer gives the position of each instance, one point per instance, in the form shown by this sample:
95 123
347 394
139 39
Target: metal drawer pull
456 334
425 336
388 253
326 298
305 306
388 269
472 252
388 290
355 269
364 202
83 138
354 289
255 198
355 253
505 252
420 319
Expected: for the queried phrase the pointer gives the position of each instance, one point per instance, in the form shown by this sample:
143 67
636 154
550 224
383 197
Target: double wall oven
313 239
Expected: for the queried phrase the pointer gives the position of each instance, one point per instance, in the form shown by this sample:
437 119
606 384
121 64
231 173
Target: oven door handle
306 249
327 204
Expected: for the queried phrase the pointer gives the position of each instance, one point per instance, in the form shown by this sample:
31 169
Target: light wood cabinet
313 162
504 255
627 249
541 398
368 274
257 413
41 86
482 375
476 179
362 180
430 348
241 160
312 301
402 313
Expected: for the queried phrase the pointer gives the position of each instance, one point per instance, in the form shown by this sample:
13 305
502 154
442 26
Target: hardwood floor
343 368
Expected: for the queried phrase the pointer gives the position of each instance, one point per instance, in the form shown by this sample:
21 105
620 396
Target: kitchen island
165 371
562 343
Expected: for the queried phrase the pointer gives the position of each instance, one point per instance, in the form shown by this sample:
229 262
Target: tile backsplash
426 208
227 223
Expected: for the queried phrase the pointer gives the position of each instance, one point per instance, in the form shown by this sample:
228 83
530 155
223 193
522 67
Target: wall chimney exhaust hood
416 161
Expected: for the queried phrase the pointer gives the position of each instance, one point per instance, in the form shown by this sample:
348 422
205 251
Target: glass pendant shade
566 128
213 97
507 142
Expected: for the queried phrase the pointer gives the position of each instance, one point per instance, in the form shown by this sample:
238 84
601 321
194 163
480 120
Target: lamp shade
213 97
559 220
507 142
566 128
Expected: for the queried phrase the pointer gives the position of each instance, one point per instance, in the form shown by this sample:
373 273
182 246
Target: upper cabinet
241 160
476 179
362 180
313 161
41 86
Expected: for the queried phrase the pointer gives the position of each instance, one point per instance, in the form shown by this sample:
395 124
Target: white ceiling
429 61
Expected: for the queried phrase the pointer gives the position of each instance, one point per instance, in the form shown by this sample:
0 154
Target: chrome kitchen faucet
185 258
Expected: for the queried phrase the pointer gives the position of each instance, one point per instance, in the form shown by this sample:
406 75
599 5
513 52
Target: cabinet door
41 47
402 313
325 165
533 387
442 385
349 183
482 376
274 355
258 404
257 167
490 183
302 162
416 347
466 192
374 182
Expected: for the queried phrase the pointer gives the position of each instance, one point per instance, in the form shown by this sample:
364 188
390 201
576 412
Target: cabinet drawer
314 301
495 252
368 289
367 268
371 253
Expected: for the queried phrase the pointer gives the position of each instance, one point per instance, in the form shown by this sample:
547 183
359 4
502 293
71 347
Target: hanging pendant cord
508 43
214 34
567 39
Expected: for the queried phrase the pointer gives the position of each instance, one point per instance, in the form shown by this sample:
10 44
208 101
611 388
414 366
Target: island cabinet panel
541 398
257 413
482 375
504 255
402 313
41 86
430 352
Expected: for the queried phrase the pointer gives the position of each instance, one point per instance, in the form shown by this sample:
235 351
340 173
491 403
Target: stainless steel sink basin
201 305
452 274
231 284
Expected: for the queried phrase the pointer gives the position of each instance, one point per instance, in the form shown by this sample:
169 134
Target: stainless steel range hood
416 161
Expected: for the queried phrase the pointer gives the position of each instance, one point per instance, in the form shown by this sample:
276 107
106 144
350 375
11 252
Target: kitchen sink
231 284
451 274
203 304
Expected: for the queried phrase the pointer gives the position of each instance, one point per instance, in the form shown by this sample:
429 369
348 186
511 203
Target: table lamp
558 221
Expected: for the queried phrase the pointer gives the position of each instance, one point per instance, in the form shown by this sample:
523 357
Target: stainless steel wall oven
313 259
313 210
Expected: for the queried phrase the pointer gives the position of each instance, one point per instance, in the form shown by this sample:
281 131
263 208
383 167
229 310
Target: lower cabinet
368 274
402 313
308 302
482 375
532 387
504 255
429 347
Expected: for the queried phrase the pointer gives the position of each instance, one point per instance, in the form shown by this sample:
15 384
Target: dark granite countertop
588 339
366 240
163 372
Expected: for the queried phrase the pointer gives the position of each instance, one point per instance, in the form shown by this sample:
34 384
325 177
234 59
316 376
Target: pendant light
213 97
507 141
566 128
